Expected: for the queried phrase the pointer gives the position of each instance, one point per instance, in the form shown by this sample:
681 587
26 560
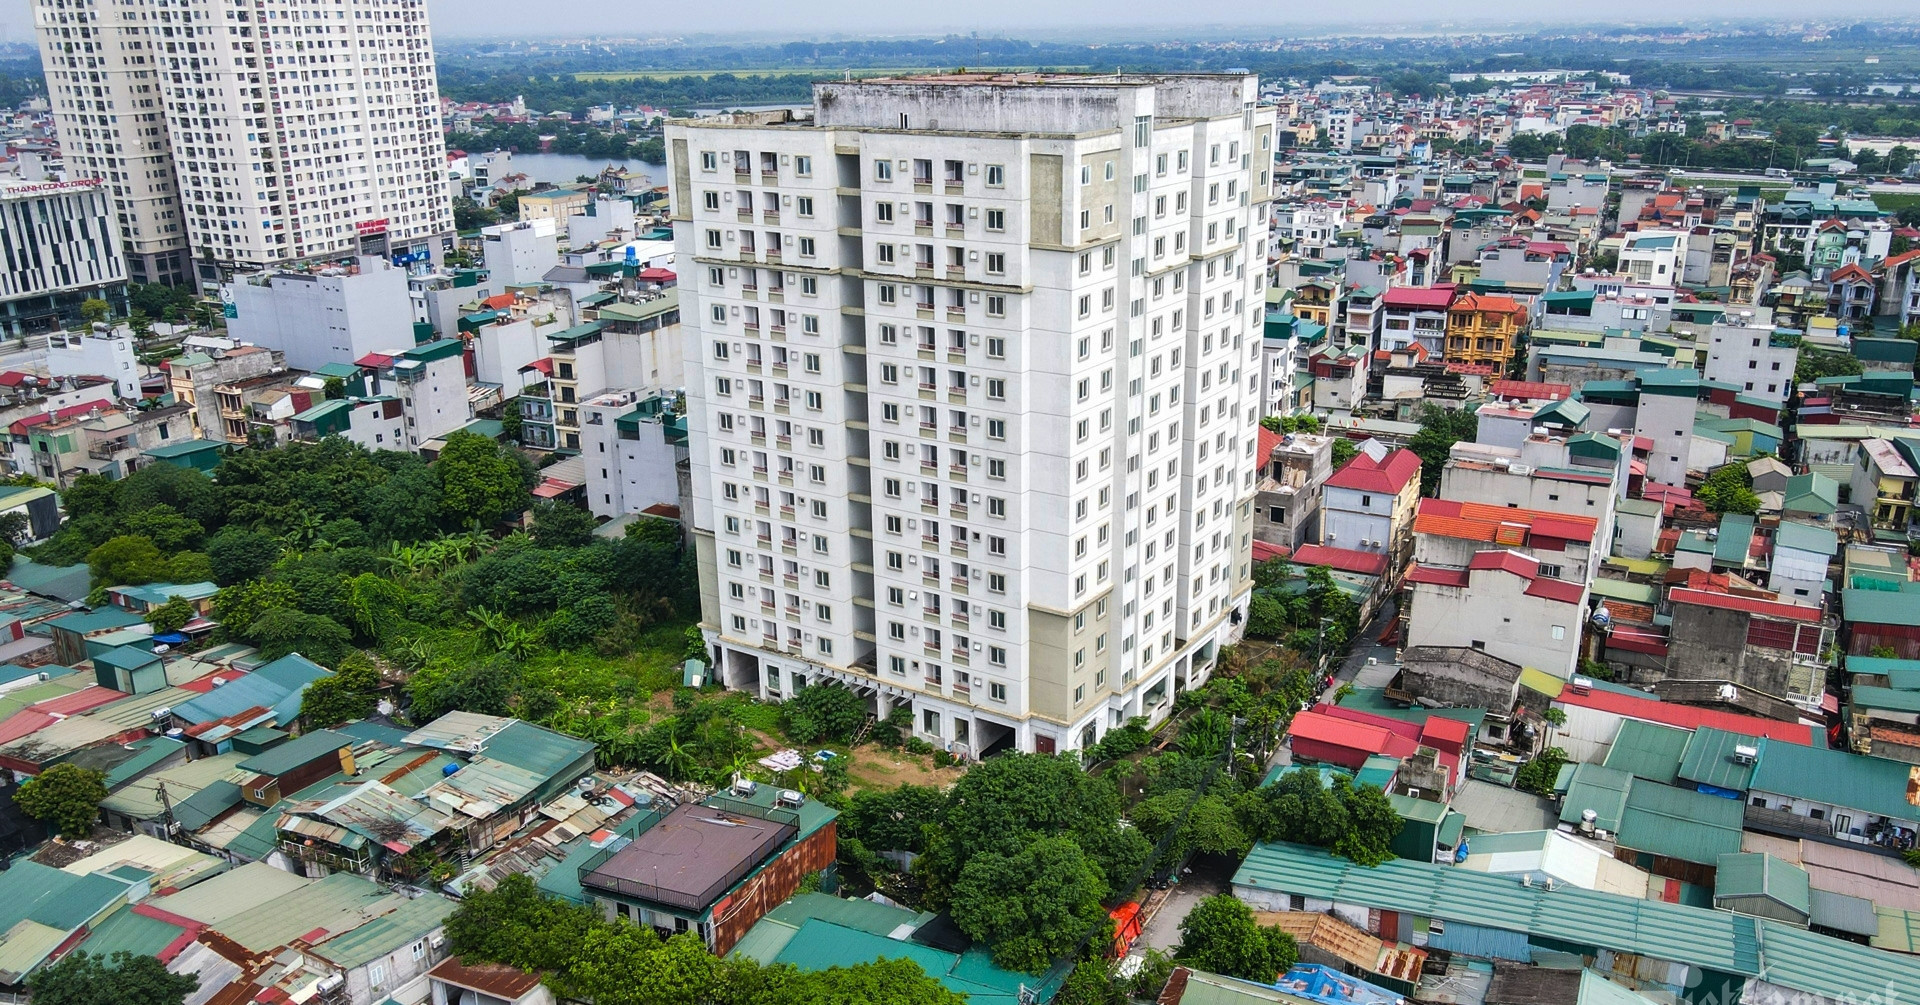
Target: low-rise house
1830 795
1294 467
1501 603
1763 642
755 844
1369 504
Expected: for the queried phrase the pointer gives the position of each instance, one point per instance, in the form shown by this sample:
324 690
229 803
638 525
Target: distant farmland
816 72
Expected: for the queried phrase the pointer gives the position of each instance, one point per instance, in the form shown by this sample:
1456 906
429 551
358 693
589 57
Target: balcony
956 311
106 449
770 215
744 215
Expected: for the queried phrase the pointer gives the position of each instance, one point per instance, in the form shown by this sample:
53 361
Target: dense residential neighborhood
1176 533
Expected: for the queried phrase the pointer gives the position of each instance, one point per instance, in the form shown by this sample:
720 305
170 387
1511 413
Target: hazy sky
815 18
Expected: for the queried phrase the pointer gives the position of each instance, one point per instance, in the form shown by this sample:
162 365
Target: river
562 169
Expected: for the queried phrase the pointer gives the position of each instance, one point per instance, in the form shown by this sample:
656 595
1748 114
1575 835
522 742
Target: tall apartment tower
103 82
246 133
972 369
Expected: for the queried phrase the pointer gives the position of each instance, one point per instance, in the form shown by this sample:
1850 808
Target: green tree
94 310
1539 774
562 525
166 527
1817 363
481 482
1440 429
237 607
1031 906
171 616
15 527
238 554
1266 619
1729 489
66 796
1372 824
333 389
126 560
1006 801
654 530
516 924
1220 936
189 567
893 819
349 694
280 632
125 978
822 712
1092 982
510 421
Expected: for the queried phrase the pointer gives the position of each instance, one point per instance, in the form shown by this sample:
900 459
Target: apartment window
997 583
997 691
806 247
719 314
996 429
996 506
882 170
813 400
996 389
996 175
997 469
1181 162
711 200
809 286
997 656
883 212
996 306
997 620
883 254
1086 174
997 547
1160 165
996 348
719 350
996 220
709 161
996 263
713 239
803 166
804 206
1086 219
810 324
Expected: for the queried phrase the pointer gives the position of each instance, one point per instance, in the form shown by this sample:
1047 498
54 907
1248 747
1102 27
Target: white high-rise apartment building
245 133
973 368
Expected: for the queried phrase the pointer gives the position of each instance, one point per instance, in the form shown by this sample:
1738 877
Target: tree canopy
1221 936
65 796
125 978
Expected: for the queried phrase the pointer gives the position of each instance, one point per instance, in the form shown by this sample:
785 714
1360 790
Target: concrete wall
1712 643
322 318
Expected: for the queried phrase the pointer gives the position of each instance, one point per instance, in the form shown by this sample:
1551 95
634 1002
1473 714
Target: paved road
1208 878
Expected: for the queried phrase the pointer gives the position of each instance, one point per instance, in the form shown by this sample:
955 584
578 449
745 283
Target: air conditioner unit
1436 927
1744 754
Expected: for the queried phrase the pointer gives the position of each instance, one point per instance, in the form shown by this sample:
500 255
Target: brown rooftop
496 979
691 857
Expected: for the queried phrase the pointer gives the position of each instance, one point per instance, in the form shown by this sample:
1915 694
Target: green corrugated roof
1812 492
183 448
1598 788
124 658
148 753
336 903
410 922
1886 698
1751 874
294 753
1881 607
1620 589
1806 537
1680 823
1736 535
1883 665
535 749
1709 759
1833 776
1717 940
1648 750
125 931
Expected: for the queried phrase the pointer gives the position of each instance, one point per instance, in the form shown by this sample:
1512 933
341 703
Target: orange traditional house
1485 329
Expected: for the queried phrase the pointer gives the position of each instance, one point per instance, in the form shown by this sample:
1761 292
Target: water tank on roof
449 770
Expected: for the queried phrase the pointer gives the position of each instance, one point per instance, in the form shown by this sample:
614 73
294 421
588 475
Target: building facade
62 248
993 458
252 136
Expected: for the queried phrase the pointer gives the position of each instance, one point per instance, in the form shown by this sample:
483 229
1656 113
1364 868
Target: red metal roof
1506 561
1751 605
83 700
1686 716
1504 524
1434 575
657 275
544 364
1391 475
205 684
374 359
1423 297
1357 736
1268 442
1447 731
498 302
1263 552
1637 640
1402 727
1532 390
1344 559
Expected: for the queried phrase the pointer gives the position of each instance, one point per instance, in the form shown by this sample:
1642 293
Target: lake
561 169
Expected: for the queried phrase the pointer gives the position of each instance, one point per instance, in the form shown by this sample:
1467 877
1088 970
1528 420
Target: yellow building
1484 329
1314 301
